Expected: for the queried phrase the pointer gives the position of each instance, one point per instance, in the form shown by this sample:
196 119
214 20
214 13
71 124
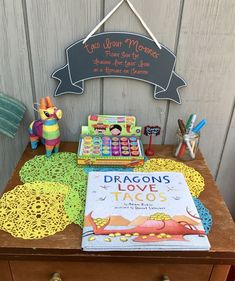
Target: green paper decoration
60 167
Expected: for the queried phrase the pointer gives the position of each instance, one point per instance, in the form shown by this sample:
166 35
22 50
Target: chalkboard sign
119 54
152 130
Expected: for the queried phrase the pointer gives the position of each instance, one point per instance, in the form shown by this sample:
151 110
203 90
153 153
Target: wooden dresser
38 260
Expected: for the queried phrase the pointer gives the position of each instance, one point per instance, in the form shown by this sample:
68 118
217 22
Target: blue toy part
88 169
204 214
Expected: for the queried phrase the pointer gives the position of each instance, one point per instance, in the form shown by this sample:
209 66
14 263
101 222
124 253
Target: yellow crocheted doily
193 178
34 210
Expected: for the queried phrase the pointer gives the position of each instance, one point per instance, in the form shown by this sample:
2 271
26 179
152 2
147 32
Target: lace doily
193 178
60 167
204 215
74 205
34 210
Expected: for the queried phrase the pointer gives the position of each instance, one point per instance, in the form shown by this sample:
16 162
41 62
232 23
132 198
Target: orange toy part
49 102
42 103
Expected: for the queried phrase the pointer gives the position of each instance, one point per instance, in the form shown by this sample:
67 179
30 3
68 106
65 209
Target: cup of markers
188 137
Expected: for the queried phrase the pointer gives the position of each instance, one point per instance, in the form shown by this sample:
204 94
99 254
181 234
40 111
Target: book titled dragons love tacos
129 211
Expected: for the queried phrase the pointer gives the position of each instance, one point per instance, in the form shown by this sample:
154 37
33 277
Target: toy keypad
110 146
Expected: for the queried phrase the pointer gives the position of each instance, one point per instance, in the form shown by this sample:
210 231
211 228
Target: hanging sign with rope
120 54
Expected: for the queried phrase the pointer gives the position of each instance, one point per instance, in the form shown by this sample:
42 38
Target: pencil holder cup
187 146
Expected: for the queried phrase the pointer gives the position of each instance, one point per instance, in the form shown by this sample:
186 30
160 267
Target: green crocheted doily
74 206
60 167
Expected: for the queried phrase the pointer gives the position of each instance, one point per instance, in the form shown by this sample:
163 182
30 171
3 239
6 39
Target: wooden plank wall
49 37
15 80
226 175
131 96
34 35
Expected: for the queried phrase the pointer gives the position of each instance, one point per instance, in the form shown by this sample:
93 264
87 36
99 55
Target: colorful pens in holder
188 138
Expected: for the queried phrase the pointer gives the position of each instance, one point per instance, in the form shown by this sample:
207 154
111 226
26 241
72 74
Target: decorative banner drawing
120 54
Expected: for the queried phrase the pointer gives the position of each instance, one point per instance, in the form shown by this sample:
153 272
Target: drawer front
107 271
5 274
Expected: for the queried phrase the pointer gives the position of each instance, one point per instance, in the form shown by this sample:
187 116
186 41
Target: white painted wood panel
53 26
226 174
205 58
127 96
14 81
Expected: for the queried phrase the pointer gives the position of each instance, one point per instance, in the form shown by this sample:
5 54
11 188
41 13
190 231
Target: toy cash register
110 140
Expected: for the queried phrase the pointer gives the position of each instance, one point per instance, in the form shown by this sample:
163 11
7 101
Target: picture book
131 211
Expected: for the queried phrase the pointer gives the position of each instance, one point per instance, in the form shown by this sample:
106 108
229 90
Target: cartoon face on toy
48 111
115 130
100 130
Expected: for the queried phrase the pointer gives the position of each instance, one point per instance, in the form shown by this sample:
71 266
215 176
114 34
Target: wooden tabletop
66 244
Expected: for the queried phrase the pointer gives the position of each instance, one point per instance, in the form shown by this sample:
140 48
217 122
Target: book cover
129 211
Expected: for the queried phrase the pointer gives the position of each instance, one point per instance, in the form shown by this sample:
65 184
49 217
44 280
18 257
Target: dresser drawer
107 271
5 274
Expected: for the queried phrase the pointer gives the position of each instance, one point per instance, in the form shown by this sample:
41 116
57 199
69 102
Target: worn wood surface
103 271
220 273
14 80
35 34
5 274
66 244
225 178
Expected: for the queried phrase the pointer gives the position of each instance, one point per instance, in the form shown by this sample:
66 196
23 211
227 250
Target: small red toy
150 131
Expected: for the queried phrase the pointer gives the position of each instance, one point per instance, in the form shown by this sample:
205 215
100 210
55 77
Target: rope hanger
112 12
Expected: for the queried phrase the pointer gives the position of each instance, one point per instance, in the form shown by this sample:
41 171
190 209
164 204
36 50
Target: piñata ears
49 102
46 103
43 103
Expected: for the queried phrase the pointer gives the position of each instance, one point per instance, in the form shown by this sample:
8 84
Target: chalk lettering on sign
129 63
111 71
152 130
135 56
125 55
141 48
112 54
104 62
143 64
91 48
138 72
117 62
112 44
119 54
